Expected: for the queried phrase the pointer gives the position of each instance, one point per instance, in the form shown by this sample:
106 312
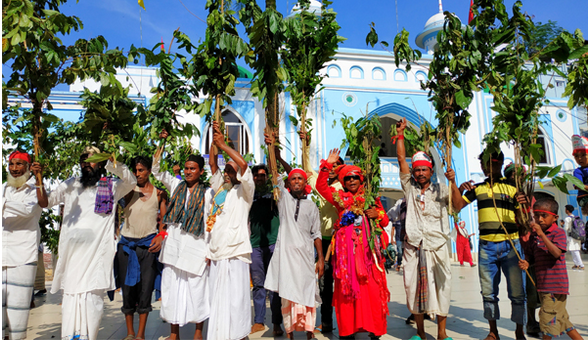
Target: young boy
546 249
580 145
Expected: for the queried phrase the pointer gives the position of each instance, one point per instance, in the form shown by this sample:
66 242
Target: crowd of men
206 247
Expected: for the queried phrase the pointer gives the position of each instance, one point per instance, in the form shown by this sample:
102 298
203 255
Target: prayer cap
421 159
579 143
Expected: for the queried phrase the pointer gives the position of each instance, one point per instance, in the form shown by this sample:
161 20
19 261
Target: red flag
471 16
162 48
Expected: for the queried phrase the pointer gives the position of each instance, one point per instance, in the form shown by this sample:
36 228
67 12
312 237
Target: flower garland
350 202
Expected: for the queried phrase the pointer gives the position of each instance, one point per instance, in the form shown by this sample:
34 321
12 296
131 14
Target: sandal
129 337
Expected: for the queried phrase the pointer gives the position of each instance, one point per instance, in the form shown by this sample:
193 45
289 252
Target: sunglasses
348 178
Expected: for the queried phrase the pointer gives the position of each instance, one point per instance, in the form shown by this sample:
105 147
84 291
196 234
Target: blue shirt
582 174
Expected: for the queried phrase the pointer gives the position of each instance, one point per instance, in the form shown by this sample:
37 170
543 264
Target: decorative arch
420 76
398 111
356 72
400 75
238 130
334 71
378 73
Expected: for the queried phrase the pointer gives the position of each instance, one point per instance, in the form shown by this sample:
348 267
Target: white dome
437 18
315 8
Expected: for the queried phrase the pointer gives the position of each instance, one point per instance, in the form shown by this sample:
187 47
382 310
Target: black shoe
410 319
41 292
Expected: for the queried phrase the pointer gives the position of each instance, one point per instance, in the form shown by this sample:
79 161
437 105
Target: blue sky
123 22
120 21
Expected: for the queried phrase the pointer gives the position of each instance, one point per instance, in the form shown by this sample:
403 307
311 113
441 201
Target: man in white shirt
229 244
20 241
574 246
184 280
291 272
87 243
427 267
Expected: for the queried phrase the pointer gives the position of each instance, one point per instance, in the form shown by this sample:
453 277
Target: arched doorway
237 133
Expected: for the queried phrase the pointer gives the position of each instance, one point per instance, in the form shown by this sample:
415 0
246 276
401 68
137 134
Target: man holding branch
229 243
427 266
87 243
499 249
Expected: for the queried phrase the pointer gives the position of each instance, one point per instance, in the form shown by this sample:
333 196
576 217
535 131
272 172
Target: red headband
544 211
308 188
297 171
422 163
348 170
20 155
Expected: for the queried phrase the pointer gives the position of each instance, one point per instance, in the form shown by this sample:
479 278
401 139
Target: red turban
20 155
307 189
348 170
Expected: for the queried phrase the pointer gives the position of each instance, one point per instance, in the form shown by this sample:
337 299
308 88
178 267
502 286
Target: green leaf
98 157
463 100
560 183
574 180
554 171
130 147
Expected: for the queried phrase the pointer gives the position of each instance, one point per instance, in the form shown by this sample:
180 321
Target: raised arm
164 177
128 180
322 182
269 140
41 193
400 150
213 158
305 136
219 141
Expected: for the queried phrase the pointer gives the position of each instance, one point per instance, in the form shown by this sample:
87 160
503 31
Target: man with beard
20 241
291 272
229 245
427 266
139 246
184 280
87 244
264 222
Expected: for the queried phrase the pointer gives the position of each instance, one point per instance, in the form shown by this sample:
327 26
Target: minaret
427 39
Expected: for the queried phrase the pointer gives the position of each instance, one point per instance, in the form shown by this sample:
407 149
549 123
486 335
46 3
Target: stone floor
464 322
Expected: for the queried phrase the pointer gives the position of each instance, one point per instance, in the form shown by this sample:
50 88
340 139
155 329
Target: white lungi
17 292
230 311
184 297
438 276
81 315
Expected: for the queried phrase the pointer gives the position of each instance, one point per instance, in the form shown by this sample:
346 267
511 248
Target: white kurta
20 243
230 236
87 242
291 271
185 296
20 224
180 249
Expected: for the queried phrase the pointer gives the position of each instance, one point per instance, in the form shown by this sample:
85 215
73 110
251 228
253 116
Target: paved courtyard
464 322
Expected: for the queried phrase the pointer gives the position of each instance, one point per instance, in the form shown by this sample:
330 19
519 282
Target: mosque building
367 82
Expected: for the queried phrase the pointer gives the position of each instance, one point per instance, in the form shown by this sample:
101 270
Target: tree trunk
272 129
448 147
37 132
305 144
